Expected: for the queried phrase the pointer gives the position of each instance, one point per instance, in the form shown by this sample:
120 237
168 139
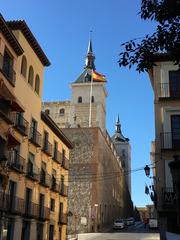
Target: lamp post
96 213
175 172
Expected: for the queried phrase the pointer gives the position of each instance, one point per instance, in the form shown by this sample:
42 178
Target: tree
165 40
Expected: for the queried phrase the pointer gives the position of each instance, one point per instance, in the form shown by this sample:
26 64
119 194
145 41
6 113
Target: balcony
16 162
7 70
169 91
55 186
44 213
63 219
35 137
36 211
47 148
33 172
57 156
168 198
45 179
170 140
20 123
12 205
64 190
65 163
5 112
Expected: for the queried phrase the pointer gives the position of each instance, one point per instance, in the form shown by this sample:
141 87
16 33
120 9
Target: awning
6 93
12 141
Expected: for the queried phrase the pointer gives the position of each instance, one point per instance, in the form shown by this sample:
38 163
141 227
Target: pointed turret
118 125
90 58
118 136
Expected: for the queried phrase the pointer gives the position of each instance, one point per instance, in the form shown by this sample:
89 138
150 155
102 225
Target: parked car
130 221
153 223
118 224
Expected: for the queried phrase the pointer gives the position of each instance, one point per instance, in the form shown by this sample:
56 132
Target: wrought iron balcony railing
65 163
20 123
33 171
33 210
57 156
7 71
47 148
63 218
55 186
35 137
16 162
169 90
5 111
12 205
169 197
64 190
170 140
45 178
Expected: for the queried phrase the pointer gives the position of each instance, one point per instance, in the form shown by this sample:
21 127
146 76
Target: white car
130 221
153 223
118 224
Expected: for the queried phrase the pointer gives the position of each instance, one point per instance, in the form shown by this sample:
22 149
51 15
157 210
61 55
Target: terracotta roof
10 37
21 25
53 126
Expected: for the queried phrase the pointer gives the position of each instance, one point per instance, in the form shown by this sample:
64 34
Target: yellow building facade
34 152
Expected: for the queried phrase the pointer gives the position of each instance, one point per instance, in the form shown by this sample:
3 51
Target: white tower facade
123 149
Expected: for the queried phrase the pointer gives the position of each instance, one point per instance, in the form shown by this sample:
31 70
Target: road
134 232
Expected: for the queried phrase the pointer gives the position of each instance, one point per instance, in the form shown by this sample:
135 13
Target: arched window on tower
62 112
37 84
92 99
80 99
31 76
24 66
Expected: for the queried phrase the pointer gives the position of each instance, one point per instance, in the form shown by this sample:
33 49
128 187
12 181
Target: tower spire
90 58
118 125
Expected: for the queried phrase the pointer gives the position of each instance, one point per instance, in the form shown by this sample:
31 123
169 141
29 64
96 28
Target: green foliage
166 38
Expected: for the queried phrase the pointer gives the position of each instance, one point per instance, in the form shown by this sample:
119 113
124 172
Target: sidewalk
172 236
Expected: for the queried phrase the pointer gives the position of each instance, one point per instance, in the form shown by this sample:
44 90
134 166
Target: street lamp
96 212
147 170
175 172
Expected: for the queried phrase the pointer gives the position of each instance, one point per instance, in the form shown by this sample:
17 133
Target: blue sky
62 29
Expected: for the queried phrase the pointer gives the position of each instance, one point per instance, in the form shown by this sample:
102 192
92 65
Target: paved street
134 232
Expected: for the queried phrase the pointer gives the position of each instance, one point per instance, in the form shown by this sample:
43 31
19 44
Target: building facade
165 77
34 152
97 187
98 191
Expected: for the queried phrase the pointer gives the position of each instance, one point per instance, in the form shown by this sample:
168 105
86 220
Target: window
25 230
55 150
61 112
33 130
92 99
174 83
31 159
28 201
51 232
175 129
47 111
24 66
37 84
52 205
39 231
46 137
79 99
8 66
63 157
31 76
60 210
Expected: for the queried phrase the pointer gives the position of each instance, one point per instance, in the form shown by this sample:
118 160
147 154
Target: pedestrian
145 222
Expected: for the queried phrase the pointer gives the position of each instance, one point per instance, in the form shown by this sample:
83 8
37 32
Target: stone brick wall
97 187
